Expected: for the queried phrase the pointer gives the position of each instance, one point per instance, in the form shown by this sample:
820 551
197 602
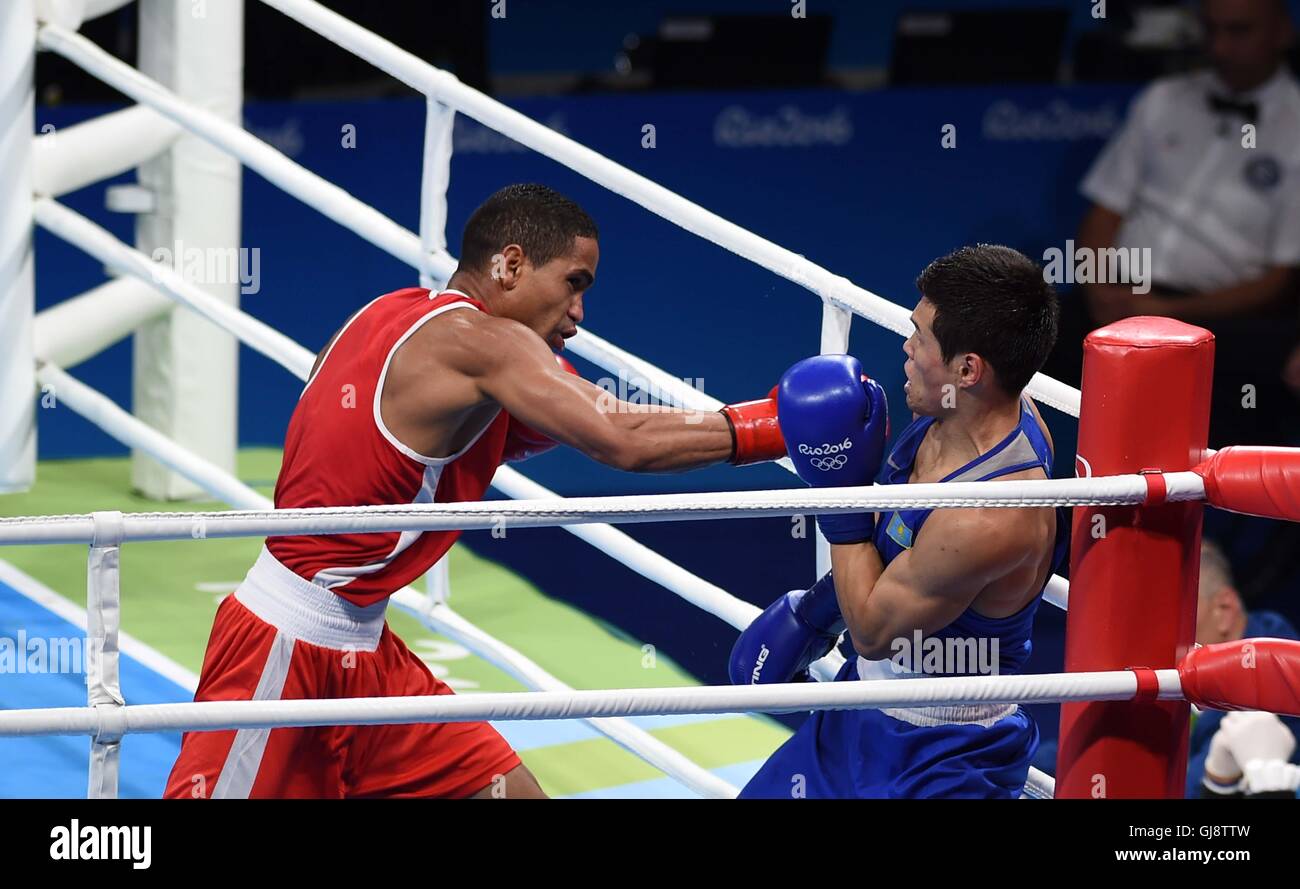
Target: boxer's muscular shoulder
496 355
998 534
475 343
453 341
432 373
453 360
997 542
431 400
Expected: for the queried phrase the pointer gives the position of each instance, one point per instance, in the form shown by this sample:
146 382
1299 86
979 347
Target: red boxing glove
522 440
755 434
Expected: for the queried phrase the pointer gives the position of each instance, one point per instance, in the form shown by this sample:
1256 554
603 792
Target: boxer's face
548 298
926 371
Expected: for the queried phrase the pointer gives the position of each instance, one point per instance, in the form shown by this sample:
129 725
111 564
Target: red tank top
337 452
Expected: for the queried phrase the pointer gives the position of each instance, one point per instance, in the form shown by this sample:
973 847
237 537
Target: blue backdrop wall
856 182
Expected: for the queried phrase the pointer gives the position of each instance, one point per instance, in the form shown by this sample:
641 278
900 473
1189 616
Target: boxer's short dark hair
539 219
995 302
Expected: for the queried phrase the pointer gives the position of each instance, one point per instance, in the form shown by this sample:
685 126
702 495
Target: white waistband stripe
302 610
954 714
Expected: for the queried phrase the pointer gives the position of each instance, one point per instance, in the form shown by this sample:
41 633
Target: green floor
170 592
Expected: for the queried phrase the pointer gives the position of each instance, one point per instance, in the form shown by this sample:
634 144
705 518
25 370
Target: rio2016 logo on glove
827 457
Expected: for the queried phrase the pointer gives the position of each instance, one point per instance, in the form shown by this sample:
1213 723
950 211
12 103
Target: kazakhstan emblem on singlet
899 532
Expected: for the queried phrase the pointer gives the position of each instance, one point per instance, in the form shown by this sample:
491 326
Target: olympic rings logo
826 464
827 457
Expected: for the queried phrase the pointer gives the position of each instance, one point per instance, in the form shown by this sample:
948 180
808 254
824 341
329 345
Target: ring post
1133 570
185 368
17 283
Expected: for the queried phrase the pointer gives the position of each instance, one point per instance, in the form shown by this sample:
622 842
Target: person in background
1248 759
1222 617
1204 179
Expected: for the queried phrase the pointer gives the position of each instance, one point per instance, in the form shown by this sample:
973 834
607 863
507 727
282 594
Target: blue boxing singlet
973 751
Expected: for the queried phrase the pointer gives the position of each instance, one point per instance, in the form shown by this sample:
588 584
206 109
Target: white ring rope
640 558
1116 490
105 414
101 244
306 186
443 86
336 204
298 361
625 734
1116 685
639 373
100 148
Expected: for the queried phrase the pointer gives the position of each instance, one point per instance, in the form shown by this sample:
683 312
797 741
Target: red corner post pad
1249 674
1256 481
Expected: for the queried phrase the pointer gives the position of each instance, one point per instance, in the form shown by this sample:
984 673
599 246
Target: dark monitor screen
985 46
741 51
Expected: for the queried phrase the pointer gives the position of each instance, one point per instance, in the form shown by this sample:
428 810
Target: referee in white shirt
1205 174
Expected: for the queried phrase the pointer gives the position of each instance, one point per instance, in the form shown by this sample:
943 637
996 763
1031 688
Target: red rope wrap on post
1157 487
1148 685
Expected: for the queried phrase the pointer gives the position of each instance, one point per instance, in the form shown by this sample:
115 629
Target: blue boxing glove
835 421
800 627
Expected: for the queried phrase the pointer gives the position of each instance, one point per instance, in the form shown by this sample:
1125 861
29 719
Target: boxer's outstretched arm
516 369
958 553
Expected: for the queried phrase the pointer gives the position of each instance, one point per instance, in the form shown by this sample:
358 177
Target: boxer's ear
971 368
508 266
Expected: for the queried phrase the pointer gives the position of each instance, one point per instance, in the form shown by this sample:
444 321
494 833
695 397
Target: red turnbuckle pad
1254 480
1249 674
